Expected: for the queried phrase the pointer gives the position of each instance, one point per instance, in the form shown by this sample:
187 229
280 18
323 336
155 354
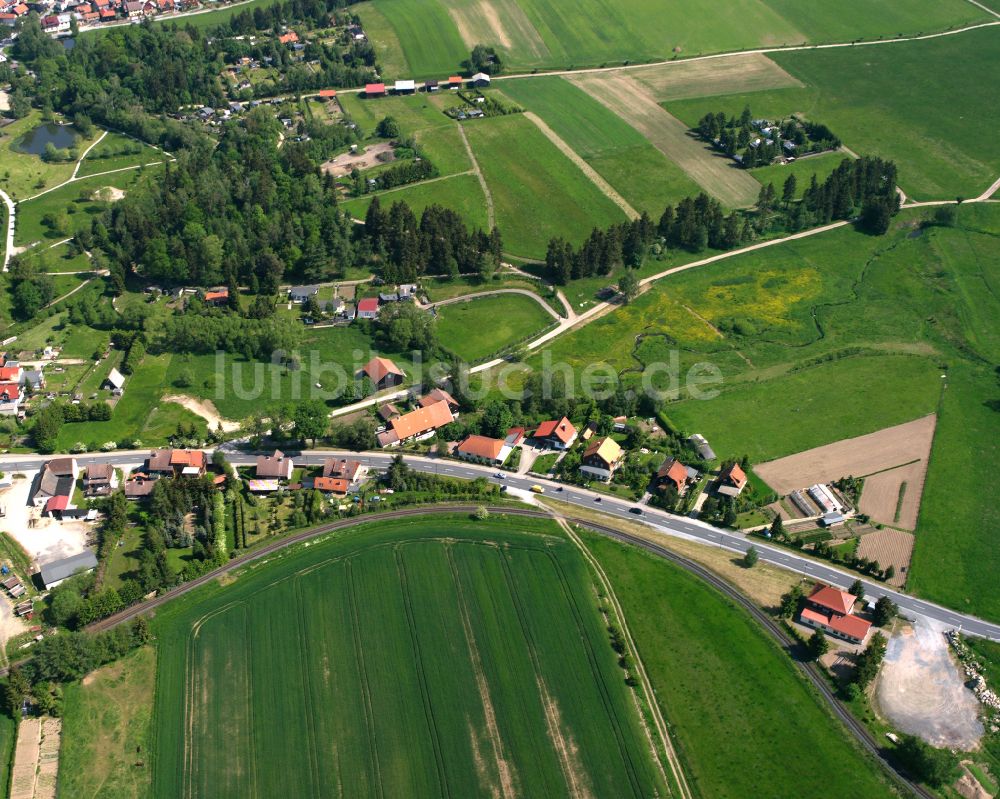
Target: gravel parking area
922 692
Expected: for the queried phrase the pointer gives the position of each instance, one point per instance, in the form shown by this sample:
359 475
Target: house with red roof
374 90
10 399
674 473
327 94
219 296
368 308
831 610
416 425
437 395
288 38
557 433
331 485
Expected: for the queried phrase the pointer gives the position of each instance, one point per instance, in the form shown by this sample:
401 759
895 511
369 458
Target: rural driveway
8 248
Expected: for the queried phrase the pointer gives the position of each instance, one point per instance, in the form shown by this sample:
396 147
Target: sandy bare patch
921 690
969 787
362 159
637 105
109 194
678 80
4 101
864 455
881 495
583 166
889 548
206 410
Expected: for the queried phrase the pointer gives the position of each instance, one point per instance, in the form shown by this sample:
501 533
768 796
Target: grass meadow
432 657
537 191
460 193
104 158
480 328
877 99
618 152
107 730
678 622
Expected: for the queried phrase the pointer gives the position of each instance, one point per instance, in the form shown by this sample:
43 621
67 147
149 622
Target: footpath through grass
429 657
721 682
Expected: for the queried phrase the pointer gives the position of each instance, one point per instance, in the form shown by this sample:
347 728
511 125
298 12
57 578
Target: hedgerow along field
875 99
436 35
426 657
678 624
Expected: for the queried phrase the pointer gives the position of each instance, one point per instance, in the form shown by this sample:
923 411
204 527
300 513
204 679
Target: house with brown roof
176 463
100 479
483 449
276 466
557 433
416 425
139 486
673 472
342 469
831 610
437 395
383 373
56 479
732 480
601 459
388 412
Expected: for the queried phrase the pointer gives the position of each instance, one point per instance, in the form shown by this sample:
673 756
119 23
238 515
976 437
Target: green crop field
618 152
409 658
677 622
462 326
437 35
538 193
460 193
876 99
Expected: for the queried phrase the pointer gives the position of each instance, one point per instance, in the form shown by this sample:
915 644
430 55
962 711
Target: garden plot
886 449
889 547
893 497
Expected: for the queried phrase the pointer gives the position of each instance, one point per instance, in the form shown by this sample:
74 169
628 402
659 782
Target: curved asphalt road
665 523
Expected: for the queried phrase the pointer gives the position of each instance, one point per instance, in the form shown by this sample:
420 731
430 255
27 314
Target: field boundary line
647 686
359 657
592 174
418 662
985 8
588 646
487 195
890 468
562 756
505 772
307 681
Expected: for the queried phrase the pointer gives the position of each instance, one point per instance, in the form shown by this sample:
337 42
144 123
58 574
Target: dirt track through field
501 22
865 455
739 73
584 167
637 105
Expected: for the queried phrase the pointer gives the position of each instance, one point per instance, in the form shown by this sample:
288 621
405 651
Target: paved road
665 523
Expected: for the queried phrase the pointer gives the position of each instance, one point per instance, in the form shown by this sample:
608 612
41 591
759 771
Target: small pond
62 137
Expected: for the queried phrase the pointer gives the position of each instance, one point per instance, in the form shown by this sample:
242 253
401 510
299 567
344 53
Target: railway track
808 669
